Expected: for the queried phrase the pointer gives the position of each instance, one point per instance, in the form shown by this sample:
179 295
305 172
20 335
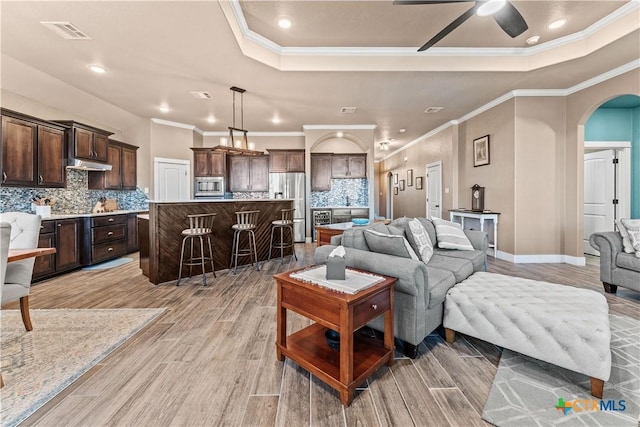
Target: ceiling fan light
490 7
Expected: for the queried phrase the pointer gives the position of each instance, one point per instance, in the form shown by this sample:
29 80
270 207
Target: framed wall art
481 151
419 183
409 177
401 184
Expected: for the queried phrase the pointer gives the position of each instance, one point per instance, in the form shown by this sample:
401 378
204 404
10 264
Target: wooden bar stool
200 226
283 224
246 221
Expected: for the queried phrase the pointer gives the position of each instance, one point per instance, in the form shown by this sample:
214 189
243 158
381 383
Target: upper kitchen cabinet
208 162
249 173
286 160
123 173
349 166
33 153
321 172
86 142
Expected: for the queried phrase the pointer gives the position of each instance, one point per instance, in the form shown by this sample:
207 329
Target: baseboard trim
542 259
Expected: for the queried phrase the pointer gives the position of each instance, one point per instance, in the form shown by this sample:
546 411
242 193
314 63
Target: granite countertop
90 215
340 207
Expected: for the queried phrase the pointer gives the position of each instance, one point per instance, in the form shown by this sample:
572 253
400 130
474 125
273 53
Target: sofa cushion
477 258
450 235
461 268
633 228
419 240
628 261
440 281
389 244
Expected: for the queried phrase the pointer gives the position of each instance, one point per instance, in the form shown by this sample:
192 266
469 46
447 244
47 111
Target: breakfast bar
168 219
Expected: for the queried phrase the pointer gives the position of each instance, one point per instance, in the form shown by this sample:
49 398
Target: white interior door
599 192
171 180
434 185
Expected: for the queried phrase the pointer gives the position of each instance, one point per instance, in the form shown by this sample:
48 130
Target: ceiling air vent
201 94
348 110
66 30
432 110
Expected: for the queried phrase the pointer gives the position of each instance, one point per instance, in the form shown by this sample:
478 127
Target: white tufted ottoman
558 324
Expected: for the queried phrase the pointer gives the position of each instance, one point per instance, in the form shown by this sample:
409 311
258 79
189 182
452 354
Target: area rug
109 264
529 392
63 345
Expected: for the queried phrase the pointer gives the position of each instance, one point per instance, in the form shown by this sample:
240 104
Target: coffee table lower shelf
309 349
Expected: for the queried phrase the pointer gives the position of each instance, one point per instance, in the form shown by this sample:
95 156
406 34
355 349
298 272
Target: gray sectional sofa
617 268
421 288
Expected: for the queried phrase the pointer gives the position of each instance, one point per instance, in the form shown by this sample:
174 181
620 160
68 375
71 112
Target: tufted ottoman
558 324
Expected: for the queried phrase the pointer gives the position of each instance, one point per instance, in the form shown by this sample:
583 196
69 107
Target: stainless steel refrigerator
291 186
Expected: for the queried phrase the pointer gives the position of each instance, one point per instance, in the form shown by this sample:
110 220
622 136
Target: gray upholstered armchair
617 268
25 231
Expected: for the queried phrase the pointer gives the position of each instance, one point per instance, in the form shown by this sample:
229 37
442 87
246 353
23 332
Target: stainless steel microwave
209 186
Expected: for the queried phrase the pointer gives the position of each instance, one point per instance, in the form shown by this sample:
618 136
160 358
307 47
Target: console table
482 217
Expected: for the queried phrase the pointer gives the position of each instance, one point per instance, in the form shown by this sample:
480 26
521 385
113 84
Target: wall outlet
146 190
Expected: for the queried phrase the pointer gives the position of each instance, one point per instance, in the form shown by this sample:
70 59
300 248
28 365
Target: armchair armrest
609 244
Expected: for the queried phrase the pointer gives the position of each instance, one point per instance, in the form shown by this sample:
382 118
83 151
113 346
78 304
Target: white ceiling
158 51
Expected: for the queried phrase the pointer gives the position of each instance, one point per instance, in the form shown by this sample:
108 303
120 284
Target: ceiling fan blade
449 28
410 2
510 20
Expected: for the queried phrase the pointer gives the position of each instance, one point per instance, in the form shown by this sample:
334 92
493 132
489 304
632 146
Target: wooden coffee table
359 356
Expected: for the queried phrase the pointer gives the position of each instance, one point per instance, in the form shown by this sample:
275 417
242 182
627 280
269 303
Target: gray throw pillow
626 240
451 236
389 244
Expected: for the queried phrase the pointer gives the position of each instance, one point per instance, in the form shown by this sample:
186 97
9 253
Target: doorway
433 173
171 180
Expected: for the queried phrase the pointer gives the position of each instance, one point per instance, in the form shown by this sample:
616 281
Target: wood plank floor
210 358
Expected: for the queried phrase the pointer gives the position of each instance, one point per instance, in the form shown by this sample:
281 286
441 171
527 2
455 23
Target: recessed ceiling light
211 119
557 23
340 134
98 69
275 120
533 40
403 130
164 108
490 7
284 22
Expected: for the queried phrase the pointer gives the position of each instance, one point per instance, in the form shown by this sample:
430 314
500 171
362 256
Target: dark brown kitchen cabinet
33 152
286 160
132 232
86 142
321 172
123 173
64 235
349 166
105 237
249 173
207 162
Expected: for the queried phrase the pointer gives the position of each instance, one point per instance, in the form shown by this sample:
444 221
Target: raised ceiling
157 52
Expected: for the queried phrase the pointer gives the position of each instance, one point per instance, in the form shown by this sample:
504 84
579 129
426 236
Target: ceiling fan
505 14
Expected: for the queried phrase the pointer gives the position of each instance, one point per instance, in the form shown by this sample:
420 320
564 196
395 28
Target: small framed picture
481 151
419 183
401 184
395 178
395 191
410 178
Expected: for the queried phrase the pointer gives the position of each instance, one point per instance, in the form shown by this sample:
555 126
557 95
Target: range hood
86 165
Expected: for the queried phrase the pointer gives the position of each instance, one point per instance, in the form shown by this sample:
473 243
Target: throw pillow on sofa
626 240
633 228
390 244
451 236
419 240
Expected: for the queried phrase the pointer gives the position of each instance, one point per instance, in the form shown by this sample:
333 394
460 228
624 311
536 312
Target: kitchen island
168 219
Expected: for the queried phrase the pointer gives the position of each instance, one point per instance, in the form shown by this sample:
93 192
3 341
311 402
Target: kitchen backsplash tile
344 192
75 199
251 195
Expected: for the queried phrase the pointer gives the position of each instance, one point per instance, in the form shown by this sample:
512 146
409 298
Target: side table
359 356
482 217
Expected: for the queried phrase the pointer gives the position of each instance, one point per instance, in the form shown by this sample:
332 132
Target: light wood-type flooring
210 358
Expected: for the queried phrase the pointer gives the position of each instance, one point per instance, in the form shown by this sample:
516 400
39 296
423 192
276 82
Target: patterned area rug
63 345
526 391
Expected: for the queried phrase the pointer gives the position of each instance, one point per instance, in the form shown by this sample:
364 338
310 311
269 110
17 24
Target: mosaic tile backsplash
344 192
75 199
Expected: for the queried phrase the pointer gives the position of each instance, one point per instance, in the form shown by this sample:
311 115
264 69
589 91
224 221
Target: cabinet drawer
314 308
108 234
47 227
360 213
371 308
101 221
108 250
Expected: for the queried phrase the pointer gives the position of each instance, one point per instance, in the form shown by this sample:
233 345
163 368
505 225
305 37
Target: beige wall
140 135
170 143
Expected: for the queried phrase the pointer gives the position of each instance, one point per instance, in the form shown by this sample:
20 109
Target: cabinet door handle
59 225
40 179
110 233
110 219
110 249
4 177
374 306
42 226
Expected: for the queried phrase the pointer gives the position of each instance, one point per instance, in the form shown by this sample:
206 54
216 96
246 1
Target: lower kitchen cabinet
132 232
104 238
64 235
